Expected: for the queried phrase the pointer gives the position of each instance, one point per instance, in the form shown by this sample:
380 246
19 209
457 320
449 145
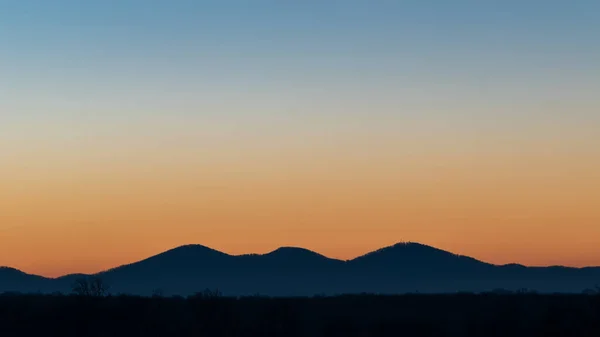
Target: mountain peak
295 253
14 272
189 252
293 250
191 248
414 254
405 247
11 270
182 257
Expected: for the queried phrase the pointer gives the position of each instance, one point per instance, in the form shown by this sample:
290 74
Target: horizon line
297 247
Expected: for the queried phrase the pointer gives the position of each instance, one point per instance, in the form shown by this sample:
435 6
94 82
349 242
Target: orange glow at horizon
90 211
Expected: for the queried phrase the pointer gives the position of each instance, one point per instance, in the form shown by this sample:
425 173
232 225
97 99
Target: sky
131 127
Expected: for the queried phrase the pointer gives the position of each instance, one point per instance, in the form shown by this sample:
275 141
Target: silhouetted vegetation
90 286
210 314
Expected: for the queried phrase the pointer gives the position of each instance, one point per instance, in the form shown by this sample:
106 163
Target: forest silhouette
407 289
208 313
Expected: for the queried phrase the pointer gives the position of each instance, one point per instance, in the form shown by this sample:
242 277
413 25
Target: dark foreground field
360 315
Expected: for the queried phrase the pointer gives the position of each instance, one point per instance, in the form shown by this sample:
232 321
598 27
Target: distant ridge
293 271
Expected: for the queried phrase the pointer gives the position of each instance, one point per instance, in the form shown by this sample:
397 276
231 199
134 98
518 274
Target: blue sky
460 65
111 49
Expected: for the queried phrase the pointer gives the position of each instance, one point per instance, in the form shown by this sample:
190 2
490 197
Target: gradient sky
130 127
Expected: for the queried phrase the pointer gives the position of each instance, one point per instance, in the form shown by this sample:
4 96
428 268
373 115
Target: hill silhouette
290 271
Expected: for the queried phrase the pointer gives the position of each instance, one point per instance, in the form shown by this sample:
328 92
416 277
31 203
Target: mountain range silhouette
289 271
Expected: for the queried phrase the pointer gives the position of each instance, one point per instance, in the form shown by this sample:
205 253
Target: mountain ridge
401 243
295 271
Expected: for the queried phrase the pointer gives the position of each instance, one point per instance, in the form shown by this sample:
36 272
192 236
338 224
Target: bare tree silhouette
208 294
90 287
158 292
